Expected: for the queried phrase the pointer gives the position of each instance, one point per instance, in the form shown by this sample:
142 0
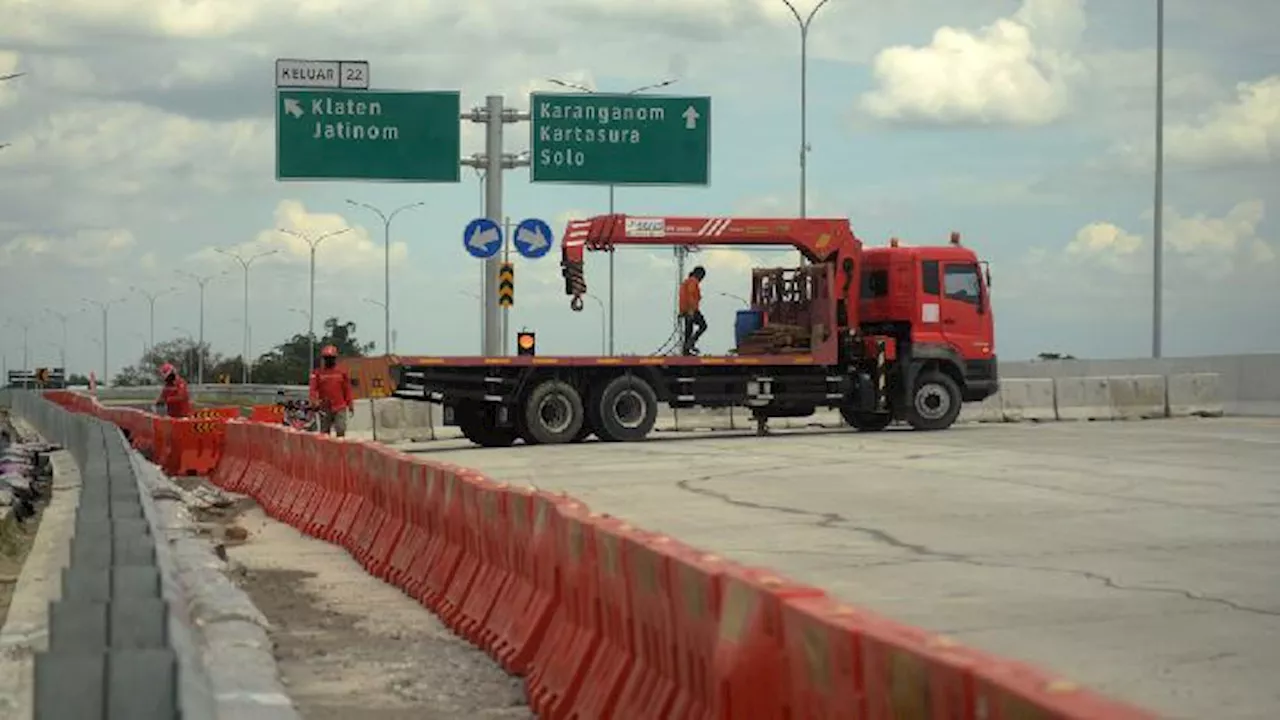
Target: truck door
963 308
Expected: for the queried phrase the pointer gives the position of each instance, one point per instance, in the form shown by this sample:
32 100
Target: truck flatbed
614 360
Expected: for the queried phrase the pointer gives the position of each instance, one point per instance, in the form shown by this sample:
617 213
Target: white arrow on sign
293 107
483 240
533 239
690 118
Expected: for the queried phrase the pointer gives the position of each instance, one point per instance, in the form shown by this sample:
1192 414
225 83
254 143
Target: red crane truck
878 333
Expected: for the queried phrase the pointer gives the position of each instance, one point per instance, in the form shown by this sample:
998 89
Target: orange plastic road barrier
572 641
451 606
216 413
331 470
615 658
235 456
697 584
750 672
601 619
419 575
415 531
651 688
391 483
520 625
352 500
267 414
445 552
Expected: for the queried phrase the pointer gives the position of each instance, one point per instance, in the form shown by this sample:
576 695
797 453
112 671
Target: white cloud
1215 245
347 247
1014 71
1244 131
83 249
122 149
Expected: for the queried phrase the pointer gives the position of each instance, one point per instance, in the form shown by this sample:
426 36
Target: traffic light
507 285
525 343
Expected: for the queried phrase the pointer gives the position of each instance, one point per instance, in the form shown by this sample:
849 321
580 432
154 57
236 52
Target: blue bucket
747 322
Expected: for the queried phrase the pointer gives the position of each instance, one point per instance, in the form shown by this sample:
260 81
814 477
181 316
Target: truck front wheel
627 410
552 413
935 402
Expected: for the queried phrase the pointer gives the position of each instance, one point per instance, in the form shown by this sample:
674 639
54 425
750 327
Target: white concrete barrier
1192 394
987 411
688 419
1137 397
821 418
1028 399
1083 398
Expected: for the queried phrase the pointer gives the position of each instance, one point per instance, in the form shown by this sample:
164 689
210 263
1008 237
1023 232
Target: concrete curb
213 621
26 628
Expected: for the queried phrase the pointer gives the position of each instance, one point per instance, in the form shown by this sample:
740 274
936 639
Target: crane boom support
817 239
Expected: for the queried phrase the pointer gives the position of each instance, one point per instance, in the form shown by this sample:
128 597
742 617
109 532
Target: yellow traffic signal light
525 343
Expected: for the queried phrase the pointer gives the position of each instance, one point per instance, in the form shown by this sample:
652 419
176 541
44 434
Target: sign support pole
493 161
493 210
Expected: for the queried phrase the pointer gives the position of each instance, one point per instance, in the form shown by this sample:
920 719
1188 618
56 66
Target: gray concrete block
1028 399
989 410
1083 398
1195 394
1137 397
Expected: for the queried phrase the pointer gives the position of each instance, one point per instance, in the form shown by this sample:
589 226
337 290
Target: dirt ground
351 647
15 543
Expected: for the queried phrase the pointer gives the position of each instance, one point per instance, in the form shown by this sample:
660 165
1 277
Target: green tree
182 353
289 362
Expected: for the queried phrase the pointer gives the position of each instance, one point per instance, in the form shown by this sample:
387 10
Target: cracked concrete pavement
1138 558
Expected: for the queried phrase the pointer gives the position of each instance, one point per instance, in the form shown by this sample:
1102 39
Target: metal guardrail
150 392
111 648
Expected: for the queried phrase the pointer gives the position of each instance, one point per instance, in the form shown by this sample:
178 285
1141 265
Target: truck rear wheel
552 413
935 402
863 421
627 410
479 425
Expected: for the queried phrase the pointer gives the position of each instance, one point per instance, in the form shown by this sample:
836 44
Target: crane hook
576 303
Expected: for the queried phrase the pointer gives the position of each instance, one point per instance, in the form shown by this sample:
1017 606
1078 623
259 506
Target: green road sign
620 139
367 135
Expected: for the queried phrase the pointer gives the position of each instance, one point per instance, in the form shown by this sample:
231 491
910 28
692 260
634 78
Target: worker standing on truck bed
690 310
331 391
174 398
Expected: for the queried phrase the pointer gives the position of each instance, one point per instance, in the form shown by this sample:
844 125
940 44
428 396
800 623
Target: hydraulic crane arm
818 240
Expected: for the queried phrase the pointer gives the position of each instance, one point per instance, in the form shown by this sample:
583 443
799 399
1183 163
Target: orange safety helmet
329 351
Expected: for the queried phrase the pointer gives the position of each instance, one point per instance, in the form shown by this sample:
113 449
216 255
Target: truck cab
935 303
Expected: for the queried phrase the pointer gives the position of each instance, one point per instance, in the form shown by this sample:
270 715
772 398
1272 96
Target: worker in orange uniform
331 392
174 398
690 310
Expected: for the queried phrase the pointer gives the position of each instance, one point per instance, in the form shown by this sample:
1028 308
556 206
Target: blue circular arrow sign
482 238
533 238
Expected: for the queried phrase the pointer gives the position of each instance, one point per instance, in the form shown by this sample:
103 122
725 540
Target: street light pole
1157 232
603 315
590 91
386 241
313 244
387 349
201 281
804 97
105 307
63 317
246 263
151 299
26 351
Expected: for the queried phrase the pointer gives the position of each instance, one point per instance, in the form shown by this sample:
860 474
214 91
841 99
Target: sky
142 137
